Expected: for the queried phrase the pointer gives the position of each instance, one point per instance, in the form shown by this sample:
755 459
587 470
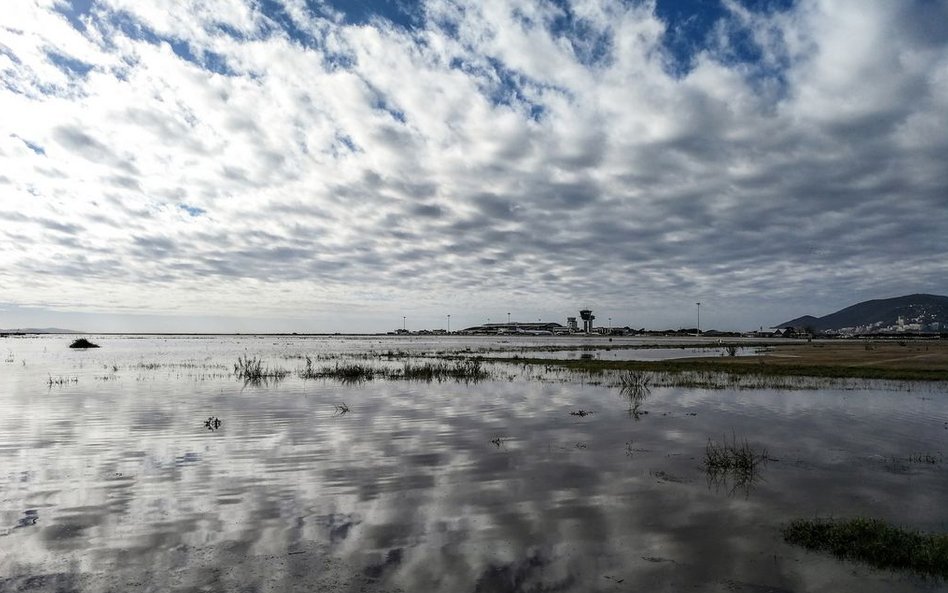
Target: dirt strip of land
921 360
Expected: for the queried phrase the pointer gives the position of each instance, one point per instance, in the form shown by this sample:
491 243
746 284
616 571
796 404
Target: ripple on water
120 485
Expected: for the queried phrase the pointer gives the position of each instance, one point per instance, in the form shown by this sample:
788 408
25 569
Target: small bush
83 343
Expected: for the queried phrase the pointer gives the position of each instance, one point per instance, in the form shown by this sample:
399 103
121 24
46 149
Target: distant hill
911 313
39 330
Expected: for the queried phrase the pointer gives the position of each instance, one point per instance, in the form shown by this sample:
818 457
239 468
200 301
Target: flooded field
145 465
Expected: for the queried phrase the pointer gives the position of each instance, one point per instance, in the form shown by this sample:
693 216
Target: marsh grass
61 380
874 542
733 456
252 370
185 364
470 370
460 370
309 371
740 373
734 463
499 441
345 372
635 386
635 381
924 458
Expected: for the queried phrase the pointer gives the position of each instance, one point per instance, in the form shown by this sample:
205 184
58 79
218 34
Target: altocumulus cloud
278 159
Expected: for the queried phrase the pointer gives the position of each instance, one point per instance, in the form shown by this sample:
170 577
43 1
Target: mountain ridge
910 313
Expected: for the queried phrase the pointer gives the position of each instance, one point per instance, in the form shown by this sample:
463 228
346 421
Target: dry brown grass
896 360
921 355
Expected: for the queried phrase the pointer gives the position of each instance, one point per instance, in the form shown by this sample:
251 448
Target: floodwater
115 477
621 353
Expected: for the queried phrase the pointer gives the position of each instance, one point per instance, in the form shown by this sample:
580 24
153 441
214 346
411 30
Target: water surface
111 481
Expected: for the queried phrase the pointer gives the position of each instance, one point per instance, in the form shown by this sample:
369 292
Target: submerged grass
635 381
61 380
458 370
733 462
253 370
874 542
733 456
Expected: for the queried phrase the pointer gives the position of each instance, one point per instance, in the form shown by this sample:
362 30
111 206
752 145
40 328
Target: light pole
698 329
449 323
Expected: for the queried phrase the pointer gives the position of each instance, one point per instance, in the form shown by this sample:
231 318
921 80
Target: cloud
247 159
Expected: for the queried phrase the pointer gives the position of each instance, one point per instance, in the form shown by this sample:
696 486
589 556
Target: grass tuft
460 370
252 370
635 381
61 380
874 542
732 456
734 462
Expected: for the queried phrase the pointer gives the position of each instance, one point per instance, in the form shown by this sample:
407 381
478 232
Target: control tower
587 316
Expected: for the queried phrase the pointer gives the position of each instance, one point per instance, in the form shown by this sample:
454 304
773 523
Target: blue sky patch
36 148
281 21
209 60
192 211
590 46
129 26
74 10
70 66
690 24
344 144
407 14
381 103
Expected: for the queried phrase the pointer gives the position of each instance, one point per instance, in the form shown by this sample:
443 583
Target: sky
350 166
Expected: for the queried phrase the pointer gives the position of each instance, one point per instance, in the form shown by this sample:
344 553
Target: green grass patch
874 542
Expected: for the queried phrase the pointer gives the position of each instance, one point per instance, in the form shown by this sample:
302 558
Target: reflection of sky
116 484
